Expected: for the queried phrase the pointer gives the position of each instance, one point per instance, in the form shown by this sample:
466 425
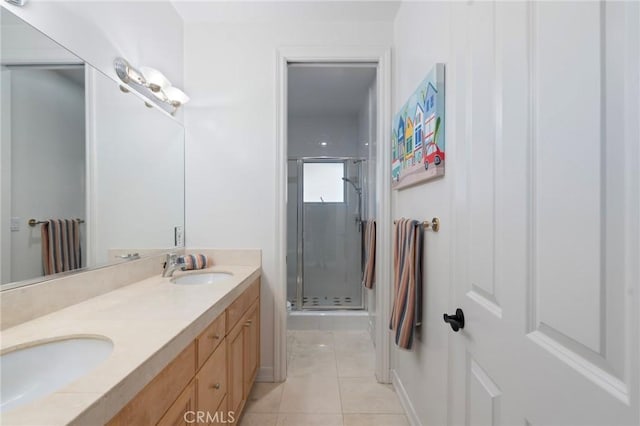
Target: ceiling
284 11
328 90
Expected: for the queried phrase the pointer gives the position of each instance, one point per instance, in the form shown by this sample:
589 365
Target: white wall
422 372
47 159
144 32
230 69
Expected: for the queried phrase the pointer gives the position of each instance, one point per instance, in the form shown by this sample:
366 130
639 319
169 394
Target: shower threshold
326 303
342 319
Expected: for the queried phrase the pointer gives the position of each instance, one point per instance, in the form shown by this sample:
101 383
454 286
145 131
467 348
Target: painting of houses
400 137
395 159
418 137
408 142
417 131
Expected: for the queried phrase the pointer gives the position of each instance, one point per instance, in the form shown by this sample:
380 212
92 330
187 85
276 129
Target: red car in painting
432 154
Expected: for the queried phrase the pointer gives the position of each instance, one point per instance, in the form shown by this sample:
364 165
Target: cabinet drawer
212 381
148 407
241 304
177 414
210 338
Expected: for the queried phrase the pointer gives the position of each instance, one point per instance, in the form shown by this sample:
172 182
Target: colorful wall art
418 150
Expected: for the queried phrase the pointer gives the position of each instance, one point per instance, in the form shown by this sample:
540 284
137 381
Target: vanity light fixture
127 73
156 81
153 80
323 143
176 97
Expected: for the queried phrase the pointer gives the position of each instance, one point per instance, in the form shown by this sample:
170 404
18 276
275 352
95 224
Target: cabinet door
235 360
211 383
178 415
251 336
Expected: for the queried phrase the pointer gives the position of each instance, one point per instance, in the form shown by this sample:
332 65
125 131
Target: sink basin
35 371
202 278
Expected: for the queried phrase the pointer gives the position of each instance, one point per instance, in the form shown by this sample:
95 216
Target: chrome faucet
171 265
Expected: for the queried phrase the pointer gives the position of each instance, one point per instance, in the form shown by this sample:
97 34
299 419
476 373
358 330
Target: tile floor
330 383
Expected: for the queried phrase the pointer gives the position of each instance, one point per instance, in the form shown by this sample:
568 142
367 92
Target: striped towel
368 275
406 312
194 261
60 245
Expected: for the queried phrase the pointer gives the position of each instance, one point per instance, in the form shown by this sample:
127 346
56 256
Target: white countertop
149 322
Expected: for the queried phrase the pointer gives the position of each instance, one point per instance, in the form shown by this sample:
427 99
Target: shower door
327 259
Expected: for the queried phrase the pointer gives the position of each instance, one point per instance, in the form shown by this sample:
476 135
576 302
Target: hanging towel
406 312
368 275
61 250
194 261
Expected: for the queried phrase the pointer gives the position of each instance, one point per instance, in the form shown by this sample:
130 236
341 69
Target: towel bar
434 224
34 222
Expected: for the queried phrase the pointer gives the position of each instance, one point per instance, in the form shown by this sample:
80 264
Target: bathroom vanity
176 348
211 378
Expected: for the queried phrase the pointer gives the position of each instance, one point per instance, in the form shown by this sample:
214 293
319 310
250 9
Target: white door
547 259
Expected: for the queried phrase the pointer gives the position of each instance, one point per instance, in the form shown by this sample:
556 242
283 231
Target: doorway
363 185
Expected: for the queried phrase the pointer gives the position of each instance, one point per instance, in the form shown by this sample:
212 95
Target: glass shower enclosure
326 198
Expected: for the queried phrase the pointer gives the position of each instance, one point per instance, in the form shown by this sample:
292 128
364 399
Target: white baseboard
265 374
404 399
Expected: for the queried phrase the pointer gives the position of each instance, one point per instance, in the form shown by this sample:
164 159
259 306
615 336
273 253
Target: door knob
455 321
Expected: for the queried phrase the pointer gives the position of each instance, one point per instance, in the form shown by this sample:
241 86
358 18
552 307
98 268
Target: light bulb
154 79
175 96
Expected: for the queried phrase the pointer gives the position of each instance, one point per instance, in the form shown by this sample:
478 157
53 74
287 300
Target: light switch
15 224
178 233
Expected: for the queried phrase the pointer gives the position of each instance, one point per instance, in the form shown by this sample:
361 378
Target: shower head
358 190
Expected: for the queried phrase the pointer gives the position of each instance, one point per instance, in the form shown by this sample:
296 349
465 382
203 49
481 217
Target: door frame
382 57
5 176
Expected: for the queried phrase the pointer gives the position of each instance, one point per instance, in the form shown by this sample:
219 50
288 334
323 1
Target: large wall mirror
88 173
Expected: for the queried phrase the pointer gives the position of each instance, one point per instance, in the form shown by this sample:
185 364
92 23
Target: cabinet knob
248 323
213 336
216 386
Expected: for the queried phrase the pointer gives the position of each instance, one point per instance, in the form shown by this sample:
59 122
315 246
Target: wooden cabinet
235 351
186 402
210 338
148 407
211 377
251 347
243 343
211 381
